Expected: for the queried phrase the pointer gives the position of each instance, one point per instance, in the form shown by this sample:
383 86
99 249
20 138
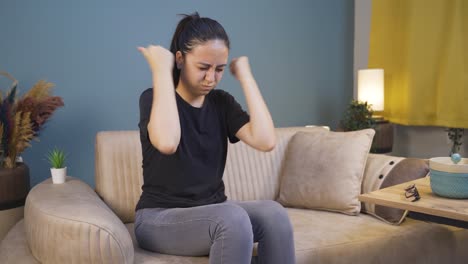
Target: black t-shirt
192 176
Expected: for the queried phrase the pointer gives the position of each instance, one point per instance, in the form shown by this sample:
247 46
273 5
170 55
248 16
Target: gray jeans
225 231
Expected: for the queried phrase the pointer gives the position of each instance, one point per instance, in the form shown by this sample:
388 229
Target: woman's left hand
240 68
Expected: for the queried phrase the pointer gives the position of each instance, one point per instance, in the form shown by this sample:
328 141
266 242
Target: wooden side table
430 207
383 139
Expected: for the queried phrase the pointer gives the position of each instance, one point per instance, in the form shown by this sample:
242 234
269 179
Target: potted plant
358 116
455 136
21 120
56 158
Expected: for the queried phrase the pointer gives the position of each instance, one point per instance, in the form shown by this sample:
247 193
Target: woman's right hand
158 58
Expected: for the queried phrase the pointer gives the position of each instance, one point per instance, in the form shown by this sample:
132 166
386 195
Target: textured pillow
383 171
323 170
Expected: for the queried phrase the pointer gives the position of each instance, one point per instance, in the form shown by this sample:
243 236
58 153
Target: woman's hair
194 30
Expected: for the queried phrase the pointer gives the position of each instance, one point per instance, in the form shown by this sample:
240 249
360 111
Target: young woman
184 127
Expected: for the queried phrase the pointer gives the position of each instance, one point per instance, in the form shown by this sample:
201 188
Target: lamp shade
371 87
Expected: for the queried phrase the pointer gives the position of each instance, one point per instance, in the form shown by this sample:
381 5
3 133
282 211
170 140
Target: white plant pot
58 175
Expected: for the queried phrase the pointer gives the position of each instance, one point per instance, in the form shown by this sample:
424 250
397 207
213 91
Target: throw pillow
323 170
383 171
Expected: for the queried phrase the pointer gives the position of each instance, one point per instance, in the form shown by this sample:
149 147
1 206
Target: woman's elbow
167 149
269 145
165 146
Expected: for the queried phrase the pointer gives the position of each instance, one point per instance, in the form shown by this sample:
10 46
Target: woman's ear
179 59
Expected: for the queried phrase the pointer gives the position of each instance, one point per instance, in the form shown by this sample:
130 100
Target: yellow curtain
423 47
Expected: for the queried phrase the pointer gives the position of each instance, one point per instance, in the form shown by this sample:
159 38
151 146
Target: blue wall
300 53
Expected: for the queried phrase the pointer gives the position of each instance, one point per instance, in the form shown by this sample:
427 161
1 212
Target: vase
14 186
58 175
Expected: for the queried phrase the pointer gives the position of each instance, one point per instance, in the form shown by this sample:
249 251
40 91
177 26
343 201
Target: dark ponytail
191 31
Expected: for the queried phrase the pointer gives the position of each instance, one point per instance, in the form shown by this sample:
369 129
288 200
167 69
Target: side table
430 207
383 139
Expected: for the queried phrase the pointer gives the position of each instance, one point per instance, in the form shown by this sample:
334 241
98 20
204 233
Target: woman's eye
219 70
204 69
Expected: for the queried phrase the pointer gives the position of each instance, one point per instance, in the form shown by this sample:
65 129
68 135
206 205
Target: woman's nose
210 76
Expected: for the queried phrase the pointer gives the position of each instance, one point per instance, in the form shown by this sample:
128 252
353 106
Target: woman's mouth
206 87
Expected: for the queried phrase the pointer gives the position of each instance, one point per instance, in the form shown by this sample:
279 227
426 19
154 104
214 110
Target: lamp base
383 139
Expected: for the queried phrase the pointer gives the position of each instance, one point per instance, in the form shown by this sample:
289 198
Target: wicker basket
448 179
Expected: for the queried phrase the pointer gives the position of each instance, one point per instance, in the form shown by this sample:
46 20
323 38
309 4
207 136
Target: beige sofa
72 223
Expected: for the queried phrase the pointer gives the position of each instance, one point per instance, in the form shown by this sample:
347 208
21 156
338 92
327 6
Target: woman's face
203 67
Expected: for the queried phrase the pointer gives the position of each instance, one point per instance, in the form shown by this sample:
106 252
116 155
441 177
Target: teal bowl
448 179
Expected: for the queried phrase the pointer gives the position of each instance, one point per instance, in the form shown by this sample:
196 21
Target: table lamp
371 90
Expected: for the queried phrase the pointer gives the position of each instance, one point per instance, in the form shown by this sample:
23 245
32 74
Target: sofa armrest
385 170
68 223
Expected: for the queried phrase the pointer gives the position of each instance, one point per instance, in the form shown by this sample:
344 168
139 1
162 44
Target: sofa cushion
328 237
323 170
14 247
383 171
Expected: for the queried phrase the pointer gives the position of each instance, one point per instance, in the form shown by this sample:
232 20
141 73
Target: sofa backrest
249 174
118 171
255 175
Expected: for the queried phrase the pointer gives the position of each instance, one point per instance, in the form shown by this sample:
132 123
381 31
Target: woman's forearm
261 123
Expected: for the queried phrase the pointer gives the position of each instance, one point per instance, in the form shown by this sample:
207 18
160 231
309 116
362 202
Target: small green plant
56 158
455 135
358 116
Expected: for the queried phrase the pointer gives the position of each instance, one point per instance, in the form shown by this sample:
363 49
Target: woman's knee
274 216
234 222
272 210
